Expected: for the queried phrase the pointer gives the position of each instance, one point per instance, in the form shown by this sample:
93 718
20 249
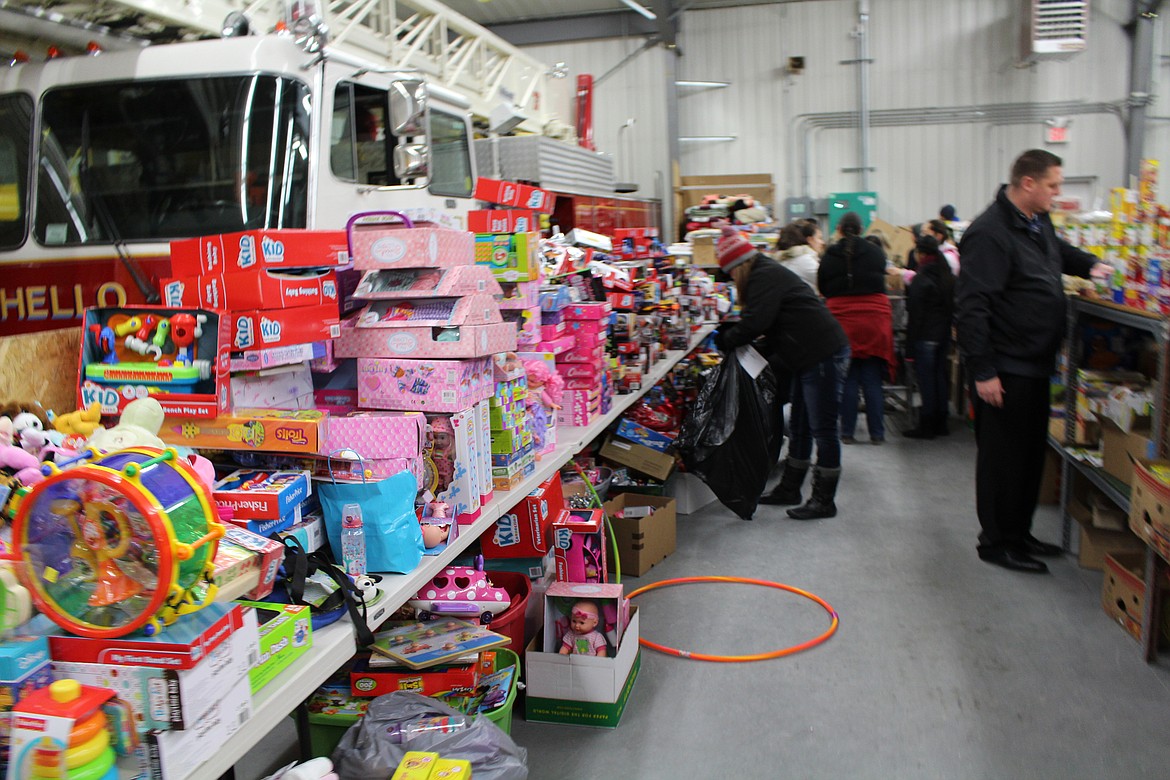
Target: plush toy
141 421
25 465
80 423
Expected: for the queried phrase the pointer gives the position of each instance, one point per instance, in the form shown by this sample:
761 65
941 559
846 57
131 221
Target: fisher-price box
259 249
513 257
425 385
24 668
266 495
378 244
523 532
177 356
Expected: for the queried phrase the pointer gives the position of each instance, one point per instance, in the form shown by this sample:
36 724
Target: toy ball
122 543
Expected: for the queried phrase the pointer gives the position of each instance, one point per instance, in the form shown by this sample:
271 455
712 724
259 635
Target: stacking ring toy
734 659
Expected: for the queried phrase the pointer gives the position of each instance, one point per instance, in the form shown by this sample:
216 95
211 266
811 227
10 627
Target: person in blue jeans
792 326
852 277
930 313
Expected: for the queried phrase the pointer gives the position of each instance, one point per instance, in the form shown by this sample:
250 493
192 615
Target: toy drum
117 544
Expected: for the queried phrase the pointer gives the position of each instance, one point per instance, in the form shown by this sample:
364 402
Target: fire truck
105 159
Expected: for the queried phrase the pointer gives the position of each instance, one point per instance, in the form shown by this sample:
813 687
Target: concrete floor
943 666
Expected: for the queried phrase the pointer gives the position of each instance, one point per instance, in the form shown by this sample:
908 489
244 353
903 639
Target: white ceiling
492 12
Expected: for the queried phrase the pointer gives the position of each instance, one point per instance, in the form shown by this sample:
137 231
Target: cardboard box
110 373
1123 594
642 541
640 434
1120 450
371 681
284 637
267 495
637 457
1096 543
248 429
279 327
513 257
703 251
378 245
259 249
258 290
1149 506
503 221
578 689
899 239
579 546
523 532
175 755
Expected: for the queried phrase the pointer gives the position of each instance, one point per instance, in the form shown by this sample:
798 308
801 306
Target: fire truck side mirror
408 107
411 161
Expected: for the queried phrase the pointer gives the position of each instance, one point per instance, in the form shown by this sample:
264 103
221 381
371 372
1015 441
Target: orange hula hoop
735 659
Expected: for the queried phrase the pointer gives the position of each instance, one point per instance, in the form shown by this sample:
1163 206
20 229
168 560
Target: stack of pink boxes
583 365
424 343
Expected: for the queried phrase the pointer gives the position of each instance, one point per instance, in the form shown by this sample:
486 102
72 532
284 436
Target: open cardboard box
642 541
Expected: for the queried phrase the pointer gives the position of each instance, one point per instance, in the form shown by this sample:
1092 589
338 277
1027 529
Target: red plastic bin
510 622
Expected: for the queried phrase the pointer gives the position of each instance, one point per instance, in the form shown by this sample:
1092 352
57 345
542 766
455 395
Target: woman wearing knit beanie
798 332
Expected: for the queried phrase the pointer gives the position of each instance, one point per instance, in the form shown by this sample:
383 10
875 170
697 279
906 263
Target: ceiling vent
1053 29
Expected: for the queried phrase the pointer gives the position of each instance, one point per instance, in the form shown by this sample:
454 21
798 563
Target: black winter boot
925 429
788 491
941 425
820 503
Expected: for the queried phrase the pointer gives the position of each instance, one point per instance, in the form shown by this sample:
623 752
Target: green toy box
286 633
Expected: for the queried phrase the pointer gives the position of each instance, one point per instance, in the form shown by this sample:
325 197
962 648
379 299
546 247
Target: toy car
461 591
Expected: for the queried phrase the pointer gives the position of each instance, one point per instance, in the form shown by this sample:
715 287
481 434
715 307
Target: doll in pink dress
544 399
582 637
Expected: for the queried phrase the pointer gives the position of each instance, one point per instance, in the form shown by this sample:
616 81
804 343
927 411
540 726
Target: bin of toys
600 476
510 622
502 715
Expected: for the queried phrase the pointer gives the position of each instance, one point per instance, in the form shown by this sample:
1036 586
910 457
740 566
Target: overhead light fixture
707 138
640 9
702 83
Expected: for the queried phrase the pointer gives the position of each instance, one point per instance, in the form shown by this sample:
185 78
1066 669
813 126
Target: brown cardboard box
638 457
1102 512
1050 478
1120 449
1149 506
1096 543
703 251
899 239
1123 593
642 541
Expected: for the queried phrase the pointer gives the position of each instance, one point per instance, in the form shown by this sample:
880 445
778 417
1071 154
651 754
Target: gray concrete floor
943 666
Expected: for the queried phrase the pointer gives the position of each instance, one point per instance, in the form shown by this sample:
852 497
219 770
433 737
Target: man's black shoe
1033 546
1011 559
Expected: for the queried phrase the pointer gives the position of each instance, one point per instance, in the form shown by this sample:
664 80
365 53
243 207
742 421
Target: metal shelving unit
1159 327
334 644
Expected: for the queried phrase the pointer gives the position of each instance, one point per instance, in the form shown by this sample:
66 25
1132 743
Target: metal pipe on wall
805 124
863 89
1140 81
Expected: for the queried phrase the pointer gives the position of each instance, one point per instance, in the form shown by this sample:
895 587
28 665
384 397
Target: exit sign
1056 134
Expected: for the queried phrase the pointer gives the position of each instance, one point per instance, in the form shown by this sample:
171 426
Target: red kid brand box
524 531
502 221
255 249
508 193
277 327
244 291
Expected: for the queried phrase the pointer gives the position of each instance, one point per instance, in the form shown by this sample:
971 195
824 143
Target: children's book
491 692
422 644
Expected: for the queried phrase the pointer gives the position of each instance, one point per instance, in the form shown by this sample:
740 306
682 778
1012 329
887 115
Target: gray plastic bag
371 749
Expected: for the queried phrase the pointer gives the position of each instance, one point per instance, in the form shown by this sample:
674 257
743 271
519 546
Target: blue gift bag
393 536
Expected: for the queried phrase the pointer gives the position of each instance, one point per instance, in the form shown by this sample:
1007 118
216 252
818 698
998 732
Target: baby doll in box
582 636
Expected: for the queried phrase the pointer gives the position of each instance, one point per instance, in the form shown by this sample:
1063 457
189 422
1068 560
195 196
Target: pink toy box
376 435
484 434
587 311
593 355
558 604
476 309
520 295
559 346
257 249
336 401
344 468
551 331
576 370
258 290
286 387
381 244
423 385
274 357
581 328
278 327
578 539
427 283
461 341
178 356
527 324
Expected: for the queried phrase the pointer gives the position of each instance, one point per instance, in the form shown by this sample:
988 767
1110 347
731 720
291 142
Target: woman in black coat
930 309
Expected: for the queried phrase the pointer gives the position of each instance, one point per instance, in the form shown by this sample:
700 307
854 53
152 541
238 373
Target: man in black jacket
1011 319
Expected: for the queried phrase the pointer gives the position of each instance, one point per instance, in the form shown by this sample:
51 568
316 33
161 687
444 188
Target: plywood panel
41 367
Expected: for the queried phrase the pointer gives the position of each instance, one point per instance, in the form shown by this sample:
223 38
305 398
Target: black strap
299 565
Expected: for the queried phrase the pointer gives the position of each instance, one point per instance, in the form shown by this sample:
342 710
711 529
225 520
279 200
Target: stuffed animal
80 423
141 421
25 465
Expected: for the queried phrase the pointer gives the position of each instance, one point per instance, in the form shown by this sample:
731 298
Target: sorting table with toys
333 645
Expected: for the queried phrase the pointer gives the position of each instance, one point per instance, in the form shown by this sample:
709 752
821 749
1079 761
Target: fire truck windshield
155 160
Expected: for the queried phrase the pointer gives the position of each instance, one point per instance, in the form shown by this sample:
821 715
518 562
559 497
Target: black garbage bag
732 437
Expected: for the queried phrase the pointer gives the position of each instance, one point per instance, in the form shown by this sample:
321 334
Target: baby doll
544 398
583 638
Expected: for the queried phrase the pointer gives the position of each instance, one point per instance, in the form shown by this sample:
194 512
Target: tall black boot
788 491
820 503
941 425
925 428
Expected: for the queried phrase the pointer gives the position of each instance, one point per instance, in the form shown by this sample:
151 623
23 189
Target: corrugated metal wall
942 53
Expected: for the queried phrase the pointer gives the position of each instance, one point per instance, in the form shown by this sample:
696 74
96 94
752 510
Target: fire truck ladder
422 35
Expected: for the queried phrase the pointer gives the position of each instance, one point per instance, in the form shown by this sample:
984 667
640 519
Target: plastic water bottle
353 541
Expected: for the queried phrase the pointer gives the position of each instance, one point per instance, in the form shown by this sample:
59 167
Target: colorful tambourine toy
121 542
